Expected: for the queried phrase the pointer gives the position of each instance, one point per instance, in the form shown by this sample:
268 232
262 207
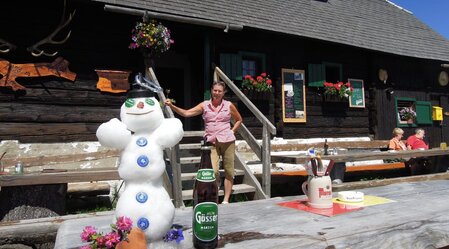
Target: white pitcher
319 191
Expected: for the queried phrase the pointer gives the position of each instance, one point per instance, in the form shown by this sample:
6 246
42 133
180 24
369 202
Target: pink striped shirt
217 122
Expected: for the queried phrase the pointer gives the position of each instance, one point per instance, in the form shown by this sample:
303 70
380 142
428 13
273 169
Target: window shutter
423 112
316 75
231 65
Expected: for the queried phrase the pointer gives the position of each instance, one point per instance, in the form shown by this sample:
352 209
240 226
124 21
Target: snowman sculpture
141 135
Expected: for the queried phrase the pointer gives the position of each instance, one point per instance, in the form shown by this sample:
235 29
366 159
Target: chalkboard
293 96
357 100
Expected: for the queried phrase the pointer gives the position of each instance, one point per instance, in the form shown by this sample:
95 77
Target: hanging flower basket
151 37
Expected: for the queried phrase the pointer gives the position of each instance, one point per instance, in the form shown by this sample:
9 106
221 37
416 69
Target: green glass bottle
205 208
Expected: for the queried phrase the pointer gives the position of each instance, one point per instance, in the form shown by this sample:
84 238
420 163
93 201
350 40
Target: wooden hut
393 59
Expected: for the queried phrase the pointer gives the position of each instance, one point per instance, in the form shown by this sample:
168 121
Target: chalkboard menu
293 96
357 100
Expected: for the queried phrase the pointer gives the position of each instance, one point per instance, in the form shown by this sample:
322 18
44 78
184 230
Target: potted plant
339 89
258 87
152 38
408 114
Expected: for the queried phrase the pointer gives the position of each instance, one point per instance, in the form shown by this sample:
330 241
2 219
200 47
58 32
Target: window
422 109
249 67
235 66
333 72
327 71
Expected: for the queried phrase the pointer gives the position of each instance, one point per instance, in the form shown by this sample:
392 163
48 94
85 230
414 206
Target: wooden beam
365 156
50 161
375 144
38 231
59 177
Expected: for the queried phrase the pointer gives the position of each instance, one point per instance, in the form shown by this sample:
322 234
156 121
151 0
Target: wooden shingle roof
371 24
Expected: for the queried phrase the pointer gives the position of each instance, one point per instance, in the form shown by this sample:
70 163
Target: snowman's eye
130 103
149 101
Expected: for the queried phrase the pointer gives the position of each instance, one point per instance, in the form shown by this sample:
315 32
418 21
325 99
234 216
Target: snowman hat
144 88
140 93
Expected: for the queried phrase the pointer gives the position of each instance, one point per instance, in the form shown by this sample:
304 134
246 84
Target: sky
434 13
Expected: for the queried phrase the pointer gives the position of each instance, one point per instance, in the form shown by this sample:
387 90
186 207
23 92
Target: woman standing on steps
217 114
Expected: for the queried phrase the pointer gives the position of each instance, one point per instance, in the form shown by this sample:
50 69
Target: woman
396 143
217 114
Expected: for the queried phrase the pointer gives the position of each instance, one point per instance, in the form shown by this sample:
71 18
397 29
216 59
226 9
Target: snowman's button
143 223
142 141
143 161
141 197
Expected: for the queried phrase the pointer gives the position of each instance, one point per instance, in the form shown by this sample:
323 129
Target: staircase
185 157
189 151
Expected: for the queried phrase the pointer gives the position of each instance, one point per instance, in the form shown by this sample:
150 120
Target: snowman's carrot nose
140 105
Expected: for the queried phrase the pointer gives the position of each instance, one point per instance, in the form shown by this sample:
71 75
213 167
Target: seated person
416 142
396 143
420 165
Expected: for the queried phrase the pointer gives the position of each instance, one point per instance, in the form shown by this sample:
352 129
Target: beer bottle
205 199
326 147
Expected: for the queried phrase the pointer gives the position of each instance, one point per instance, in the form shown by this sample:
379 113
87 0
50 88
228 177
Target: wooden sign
114 81
59 68
357 100
293 96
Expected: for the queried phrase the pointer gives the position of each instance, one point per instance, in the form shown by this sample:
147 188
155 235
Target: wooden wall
57 110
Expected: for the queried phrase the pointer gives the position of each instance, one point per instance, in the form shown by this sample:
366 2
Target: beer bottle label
205 175
205 221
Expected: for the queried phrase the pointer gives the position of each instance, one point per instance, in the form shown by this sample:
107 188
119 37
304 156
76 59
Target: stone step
190 146
193 133
237 189
190 160
192 176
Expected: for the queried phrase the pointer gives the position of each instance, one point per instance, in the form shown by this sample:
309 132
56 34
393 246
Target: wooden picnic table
416 219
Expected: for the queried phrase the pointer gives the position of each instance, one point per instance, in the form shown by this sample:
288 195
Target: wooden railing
262 151
172 153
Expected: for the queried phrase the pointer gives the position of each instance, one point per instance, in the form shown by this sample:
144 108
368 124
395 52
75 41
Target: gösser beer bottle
205 199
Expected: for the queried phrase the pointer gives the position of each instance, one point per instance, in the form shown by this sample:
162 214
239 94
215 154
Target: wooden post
266 161
172 153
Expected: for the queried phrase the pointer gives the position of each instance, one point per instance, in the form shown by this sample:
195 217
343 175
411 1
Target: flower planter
334 98
254 95
410 121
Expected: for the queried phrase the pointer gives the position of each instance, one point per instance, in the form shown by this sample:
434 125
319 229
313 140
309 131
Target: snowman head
141 112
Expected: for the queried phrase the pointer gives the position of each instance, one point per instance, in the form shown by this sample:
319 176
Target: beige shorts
227 152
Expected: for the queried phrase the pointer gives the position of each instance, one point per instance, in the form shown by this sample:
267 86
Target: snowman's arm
113 134
169 133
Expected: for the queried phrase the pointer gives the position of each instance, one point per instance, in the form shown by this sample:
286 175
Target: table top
418 218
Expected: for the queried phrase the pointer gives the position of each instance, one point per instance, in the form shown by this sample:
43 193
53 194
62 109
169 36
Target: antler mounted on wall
36 51
7 46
